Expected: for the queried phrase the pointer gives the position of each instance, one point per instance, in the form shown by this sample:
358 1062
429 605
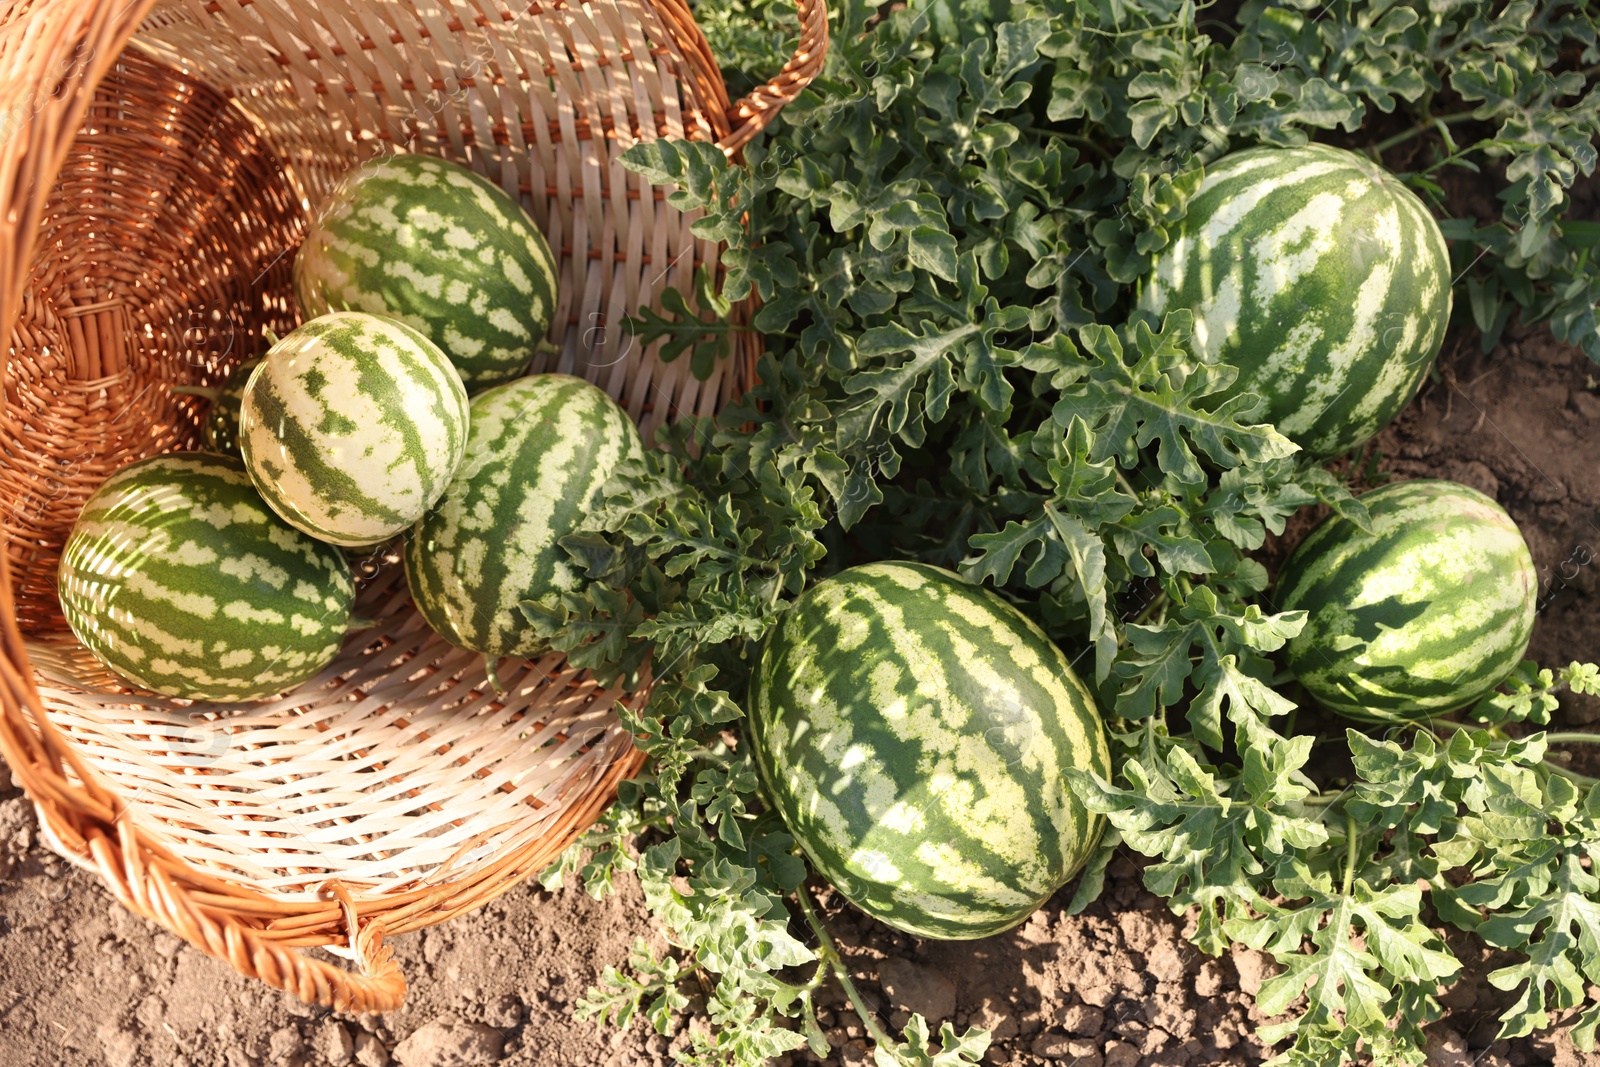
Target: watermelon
538 456
912 730
442 248
1321 277
1422 616
220 429
352 427
178 578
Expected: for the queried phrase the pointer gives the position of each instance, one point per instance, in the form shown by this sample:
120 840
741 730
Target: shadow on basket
159 165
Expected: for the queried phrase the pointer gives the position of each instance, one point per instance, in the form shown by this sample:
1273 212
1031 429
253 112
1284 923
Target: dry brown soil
83 982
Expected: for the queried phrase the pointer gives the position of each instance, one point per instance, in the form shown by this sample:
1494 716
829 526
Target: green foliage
943 235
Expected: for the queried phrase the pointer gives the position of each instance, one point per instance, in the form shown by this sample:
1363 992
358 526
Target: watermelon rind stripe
912 729
179 578
1424 615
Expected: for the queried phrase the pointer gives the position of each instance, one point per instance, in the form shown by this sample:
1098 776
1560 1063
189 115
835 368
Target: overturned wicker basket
157 163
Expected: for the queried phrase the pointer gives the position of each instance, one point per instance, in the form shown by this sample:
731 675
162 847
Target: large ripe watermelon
181 580
434 244
538 455
352 427
912 729
1321 277
1424 615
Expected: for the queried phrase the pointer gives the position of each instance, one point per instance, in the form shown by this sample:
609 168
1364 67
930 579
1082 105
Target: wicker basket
157 164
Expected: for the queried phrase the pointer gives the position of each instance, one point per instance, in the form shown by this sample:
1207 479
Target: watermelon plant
539 451
912 729
947 235
1426 612
179 578
441 248
352 426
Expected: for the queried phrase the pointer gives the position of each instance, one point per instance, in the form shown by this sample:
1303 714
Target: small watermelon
912 729
178 578
220 430
352 427
538 456
1424 615
442 248
1321 277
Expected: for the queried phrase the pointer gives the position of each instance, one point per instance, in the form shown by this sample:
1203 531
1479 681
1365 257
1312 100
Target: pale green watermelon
441 248
181 580
1321 277
912 730
352 427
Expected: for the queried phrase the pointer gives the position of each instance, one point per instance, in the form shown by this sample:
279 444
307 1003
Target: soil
82 981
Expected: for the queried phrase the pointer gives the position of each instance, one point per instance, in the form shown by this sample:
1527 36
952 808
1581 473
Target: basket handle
751 115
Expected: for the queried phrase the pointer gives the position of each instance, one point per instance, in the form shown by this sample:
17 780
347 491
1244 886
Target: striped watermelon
432 243
1424 615
221 426
1318 275
352 427
539 453
180 579
912 729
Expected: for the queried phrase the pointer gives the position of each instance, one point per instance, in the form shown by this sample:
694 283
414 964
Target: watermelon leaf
1157 401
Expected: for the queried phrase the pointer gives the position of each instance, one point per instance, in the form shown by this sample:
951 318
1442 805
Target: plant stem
1156 602
1573 776
829 954
1073 138
1572 738
1352 837
1416 131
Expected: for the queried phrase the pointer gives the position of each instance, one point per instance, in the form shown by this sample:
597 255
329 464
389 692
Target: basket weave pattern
157 165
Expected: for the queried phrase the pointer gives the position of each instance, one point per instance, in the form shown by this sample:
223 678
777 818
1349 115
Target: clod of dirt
1446 1048
1083 1020
369 1051
121 1045
451 1042
335 1045
912 987
284 1044
1054 1046
1253 968
1121 1054
995 1014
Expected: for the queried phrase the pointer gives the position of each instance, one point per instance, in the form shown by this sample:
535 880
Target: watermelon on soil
1424 615
1321 277
912 729
182 581
440 247
538 455
352 427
